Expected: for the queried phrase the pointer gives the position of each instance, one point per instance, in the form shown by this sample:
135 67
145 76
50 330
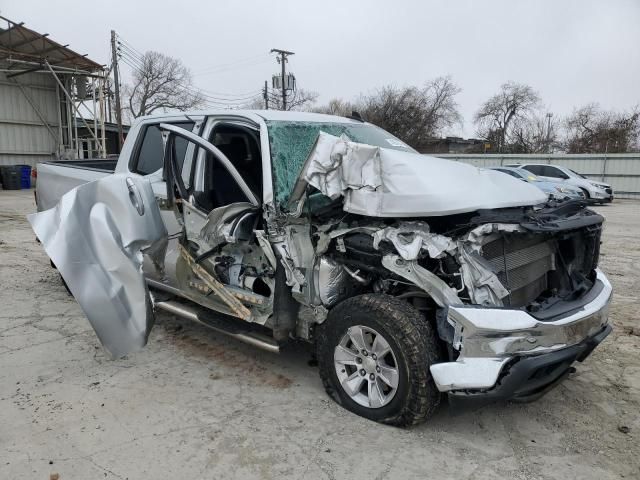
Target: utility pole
549 115
282 60
265 94
116 81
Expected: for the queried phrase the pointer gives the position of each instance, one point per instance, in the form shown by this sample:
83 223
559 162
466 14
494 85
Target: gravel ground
194 404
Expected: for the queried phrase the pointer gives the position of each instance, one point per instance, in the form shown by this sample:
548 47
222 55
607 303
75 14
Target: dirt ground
194 404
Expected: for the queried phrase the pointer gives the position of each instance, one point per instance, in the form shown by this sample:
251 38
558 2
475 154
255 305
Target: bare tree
299 99
497 118
535 134
413 114
255 104
336 106
590 129
161 83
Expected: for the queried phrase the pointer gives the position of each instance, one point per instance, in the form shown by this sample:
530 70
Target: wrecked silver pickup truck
411 275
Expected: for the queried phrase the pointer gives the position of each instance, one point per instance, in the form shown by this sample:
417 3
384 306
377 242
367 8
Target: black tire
586 193
413 342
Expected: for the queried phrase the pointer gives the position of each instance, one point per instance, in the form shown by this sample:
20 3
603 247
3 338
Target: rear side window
150 152
535 169
554 172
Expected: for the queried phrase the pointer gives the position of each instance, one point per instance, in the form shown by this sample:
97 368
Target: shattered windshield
291 143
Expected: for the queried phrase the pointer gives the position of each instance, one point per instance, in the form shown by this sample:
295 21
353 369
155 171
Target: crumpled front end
381 182
509 279
515 293
96 237
496 345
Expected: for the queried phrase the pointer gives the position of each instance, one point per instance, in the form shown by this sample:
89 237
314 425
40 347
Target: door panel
96 236
220 242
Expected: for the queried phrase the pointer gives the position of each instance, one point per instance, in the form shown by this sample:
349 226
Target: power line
220 97
207 97
212 69
241 63
135 60
131 47
124 49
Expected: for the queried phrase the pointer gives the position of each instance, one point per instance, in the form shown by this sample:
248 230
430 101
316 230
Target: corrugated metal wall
23 137
621 170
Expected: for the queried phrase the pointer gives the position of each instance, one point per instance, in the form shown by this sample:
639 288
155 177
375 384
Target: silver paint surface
488 337
380 182
96 237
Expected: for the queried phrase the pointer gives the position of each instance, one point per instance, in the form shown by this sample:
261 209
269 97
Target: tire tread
416 336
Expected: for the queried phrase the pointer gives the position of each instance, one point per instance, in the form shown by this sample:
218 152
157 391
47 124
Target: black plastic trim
567 307
522 381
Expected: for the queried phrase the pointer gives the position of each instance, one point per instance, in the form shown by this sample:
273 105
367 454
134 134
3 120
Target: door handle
134 197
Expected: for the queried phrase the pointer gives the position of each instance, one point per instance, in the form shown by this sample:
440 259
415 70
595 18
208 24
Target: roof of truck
266 115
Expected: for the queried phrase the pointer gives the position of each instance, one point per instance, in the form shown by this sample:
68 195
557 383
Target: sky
571 51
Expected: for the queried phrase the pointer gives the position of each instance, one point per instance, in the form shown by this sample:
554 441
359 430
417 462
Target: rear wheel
374 353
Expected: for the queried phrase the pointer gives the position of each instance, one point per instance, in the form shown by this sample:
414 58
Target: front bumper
600 195
507 353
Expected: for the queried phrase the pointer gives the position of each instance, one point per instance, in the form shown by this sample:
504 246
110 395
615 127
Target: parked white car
597 191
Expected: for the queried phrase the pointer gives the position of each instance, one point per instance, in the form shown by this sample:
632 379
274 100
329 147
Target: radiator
521 264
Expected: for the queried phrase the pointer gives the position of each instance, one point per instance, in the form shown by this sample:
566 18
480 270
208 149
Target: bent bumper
509 353
529 378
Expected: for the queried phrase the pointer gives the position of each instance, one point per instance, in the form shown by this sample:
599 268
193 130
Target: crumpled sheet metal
95 237
411 237
480 235
380 182
337 164
217 229
331 279
441 293
483 285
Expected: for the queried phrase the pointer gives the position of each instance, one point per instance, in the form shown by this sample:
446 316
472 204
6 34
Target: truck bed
99 164
57 178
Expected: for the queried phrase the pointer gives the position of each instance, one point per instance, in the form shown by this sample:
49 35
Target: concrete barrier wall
621 170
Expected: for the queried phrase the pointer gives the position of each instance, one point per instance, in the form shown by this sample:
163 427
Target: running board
220 325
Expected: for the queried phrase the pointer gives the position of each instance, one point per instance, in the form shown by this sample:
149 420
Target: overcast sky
571 52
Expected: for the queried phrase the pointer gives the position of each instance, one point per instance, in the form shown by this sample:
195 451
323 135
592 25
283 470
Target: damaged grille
530 265
521 264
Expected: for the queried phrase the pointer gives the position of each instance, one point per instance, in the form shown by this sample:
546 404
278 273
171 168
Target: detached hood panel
96 236
381 182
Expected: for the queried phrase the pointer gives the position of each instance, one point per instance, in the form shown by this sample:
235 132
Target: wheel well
586 192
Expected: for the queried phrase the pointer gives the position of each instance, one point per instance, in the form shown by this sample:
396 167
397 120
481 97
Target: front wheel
374 354
586 193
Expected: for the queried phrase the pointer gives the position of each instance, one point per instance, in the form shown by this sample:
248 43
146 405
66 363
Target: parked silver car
555 190
599 192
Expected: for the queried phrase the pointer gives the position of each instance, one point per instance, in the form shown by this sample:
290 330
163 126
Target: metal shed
44 87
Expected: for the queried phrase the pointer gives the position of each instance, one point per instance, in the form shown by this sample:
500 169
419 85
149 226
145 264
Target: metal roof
25 46
256 115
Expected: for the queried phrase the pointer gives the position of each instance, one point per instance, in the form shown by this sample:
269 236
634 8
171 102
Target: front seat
225 189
